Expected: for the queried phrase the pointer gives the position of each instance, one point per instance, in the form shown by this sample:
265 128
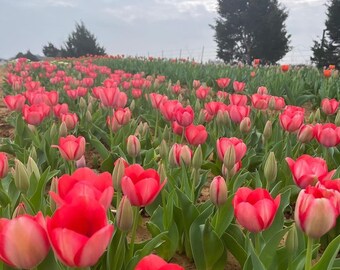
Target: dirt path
5 129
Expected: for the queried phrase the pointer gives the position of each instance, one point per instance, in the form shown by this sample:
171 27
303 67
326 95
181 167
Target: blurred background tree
327 50
246 30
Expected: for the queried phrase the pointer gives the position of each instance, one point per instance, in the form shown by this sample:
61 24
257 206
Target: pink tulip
84 182
262 90
181 154
24 243
153 262
79 232
157 100
15 103
239 86
327 135
240 100
70 120
202 92
60 109
307 170
306 133
223 82
184 116
196 135
238 113
316 211
222 145
259 101
168 108
141 186
255 209
3 165
329 106
123 116
36 113
292 118
71 147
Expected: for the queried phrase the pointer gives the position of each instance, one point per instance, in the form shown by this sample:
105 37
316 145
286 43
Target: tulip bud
63 130
132 105
272 103
197 159
337 119
161 171
33 152
317 115
124 217
163 149
292 241
53 130
53 188
267 131
139 129
311 118
118 173
201 117
81 163
82 104
166 133
20 175
133 146
89 108
197 105
19 210
229 158
32 168
145 129
88 116
245 125
270 168
305 134
218 191
180 98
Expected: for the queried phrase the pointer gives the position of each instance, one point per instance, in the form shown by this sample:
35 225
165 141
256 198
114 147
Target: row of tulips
160 144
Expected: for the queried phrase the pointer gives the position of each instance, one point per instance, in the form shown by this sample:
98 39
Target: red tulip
84 182
255 209
36 113
327 135
79 232
292 118
157 100
168 108
238 113
176 89
180 154
136 93
260 102
307 170
316 211
262 90
15 103
277 103
108 96
202 92
153 262
71 148
222 95
327 73
141 186
213 107
60 109
176 128
123 116
184 116
223 82
51 98
222 145
306 133
196 135
3 165
329 106
239 86
240 100
70 120
24 242
284 68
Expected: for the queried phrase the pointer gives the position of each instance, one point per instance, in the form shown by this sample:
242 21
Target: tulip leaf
223 217
299 262
235 247
257 263
328 256
4 199
116 251
103 152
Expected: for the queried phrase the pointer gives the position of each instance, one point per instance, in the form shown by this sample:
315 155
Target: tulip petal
266 210
106 197
247 216
89 254
150 262
130 191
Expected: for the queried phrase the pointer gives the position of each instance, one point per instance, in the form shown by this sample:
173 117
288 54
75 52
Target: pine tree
327 51
251 29
51 51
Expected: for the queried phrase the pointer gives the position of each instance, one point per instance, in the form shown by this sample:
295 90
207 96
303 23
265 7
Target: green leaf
328 256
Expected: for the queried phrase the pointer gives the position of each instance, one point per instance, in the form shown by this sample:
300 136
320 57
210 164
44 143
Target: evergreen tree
251 29
51 51
327 51
28 55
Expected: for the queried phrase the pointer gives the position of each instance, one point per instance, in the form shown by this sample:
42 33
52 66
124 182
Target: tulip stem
257 243
134 231
308 264
156 126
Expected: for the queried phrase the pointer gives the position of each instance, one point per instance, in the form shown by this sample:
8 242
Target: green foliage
327 51
27 55
251 29
51 51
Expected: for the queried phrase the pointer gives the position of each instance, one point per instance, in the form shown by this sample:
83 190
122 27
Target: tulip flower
70 120
316 211
307 170
329 106
141 186
239 100
153 262
202 92
262 90
180 154
3 165
157 100
196 135
218 191
284 68
222 145
176 128
15 103
108 96
276 103
292 118
123 116
168 108
133 146
306 133
214 106
36 113
71 147
24 242
239 86
184 116
222 95
60 109
79 232
327 135
84 182
260 102
255 210
238 113
223 82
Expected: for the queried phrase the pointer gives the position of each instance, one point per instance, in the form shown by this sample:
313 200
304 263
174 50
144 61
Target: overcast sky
168 28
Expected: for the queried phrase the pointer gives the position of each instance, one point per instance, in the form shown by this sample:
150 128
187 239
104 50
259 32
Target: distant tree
251 29
27 55
79 43
327 51
51 51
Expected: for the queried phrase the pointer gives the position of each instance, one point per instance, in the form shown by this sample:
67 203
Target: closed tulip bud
132 105
306 133
88 116
89 107
272 103
267 131
3 165
163 149
270 168
81 163
63 130
179 155
161 171
145 129
201 117
245 125
133 146
124 217
337 119
53 130
19 210
311 118
218 191
139 129
317 115
229 158
292 240
53 188
32 168
197 105
21 178
118 173
82 104
197 159
166 133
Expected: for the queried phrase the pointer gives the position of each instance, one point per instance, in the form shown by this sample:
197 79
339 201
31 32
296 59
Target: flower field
216 162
